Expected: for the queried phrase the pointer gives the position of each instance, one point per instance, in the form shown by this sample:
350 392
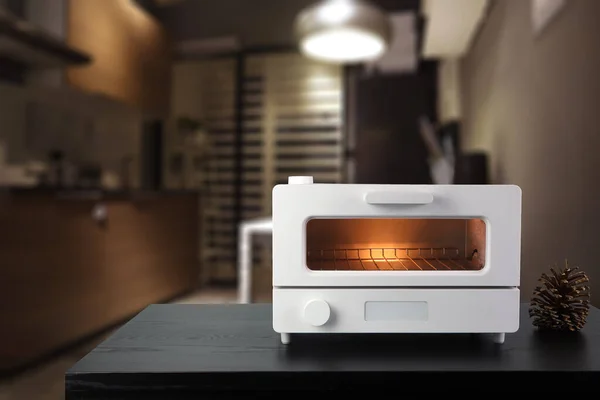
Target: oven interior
398 244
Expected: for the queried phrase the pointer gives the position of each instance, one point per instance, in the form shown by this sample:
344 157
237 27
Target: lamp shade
343 31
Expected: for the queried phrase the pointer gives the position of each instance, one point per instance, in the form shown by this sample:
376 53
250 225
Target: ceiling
451 26
443 28
203 28
253 23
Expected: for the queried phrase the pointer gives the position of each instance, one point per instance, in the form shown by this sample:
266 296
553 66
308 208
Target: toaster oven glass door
354 235
395 244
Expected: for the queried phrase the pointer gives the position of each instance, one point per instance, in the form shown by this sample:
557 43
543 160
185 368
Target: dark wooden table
181 351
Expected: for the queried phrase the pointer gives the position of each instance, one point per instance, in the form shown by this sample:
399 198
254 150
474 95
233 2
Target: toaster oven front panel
344 235
392 310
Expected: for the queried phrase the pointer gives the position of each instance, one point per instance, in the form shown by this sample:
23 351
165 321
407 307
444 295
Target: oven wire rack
394 258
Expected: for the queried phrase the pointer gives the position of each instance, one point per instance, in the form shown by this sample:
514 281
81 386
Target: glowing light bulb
336 11
342 31
343 44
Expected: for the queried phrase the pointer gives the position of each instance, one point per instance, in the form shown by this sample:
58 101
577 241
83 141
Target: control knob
317 312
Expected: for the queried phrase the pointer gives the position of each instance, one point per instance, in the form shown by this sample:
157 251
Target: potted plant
193 131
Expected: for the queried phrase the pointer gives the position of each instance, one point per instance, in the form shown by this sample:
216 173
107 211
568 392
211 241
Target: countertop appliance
360 258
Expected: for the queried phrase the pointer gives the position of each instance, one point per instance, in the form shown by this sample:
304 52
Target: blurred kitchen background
140 138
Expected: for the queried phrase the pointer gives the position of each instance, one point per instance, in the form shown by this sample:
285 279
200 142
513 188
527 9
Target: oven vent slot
392 259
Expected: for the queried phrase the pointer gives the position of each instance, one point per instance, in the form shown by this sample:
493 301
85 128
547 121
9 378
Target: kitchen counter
75 262
194 351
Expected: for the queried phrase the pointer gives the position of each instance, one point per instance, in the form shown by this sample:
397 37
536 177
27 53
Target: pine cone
563 301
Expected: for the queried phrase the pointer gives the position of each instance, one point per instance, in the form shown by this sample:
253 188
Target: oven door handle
382 198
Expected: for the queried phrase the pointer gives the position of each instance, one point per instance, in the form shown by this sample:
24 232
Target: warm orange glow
396 244
130 50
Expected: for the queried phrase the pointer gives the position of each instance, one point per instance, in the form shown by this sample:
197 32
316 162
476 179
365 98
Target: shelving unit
268 116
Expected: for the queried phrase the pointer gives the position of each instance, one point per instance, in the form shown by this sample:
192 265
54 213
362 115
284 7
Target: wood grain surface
65 276
131 53
180 351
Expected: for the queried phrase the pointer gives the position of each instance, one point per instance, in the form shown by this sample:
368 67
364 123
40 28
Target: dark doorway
152 151
388 147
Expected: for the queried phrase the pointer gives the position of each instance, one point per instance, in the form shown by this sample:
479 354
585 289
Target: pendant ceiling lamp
343 31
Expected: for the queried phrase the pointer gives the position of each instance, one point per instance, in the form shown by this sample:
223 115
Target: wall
15 7
50 15
532 103
131 53
449 102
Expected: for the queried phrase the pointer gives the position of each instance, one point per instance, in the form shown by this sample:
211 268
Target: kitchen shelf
25 43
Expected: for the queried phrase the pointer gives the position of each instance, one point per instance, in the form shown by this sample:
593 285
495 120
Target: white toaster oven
358 258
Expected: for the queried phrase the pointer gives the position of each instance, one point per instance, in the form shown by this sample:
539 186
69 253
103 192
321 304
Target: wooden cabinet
130 50
65 275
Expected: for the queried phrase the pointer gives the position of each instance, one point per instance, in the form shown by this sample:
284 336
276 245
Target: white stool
245 232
